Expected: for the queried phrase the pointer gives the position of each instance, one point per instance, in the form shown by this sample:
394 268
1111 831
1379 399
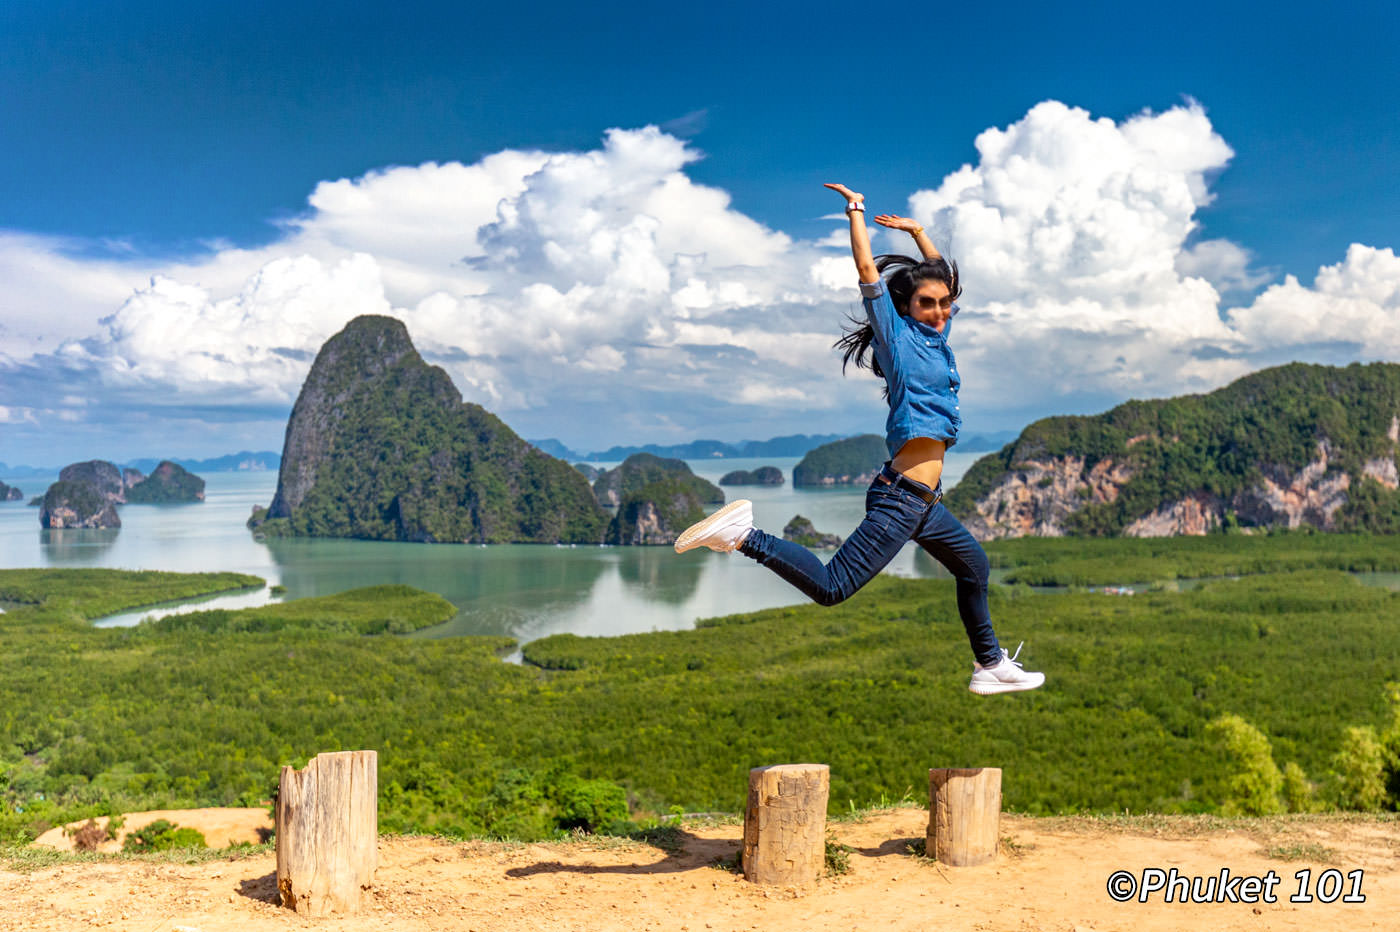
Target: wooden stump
964 819
785 823
327 824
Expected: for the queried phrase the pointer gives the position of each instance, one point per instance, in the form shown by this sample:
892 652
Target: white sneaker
722 531
1004 677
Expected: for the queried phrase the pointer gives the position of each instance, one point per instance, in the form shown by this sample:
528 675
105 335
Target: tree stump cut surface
964 821
327 824
785 823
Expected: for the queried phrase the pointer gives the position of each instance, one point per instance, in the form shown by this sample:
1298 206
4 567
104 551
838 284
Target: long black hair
903 275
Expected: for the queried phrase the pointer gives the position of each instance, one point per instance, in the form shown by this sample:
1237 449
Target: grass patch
731 863
837 857
27 858
1302 851
854 813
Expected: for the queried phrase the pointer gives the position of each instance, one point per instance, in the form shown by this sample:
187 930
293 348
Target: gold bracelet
916 232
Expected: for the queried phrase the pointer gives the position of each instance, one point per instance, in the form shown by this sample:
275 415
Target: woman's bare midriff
921 459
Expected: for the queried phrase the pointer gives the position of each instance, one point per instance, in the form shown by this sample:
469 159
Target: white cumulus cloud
1356 301
606 294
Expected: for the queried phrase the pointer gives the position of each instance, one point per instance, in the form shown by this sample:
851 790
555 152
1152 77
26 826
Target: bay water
525 591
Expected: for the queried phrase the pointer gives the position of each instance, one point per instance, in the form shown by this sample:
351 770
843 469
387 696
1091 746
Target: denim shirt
919 369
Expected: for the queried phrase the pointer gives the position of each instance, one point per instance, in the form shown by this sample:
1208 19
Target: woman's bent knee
829 597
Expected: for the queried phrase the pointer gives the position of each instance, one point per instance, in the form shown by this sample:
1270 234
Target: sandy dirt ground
1052 874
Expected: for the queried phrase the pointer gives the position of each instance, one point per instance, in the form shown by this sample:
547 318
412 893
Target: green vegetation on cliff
657 512
844 462
656 499
1267 425
380 446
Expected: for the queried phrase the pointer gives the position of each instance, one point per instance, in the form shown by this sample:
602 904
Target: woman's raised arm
860 237
895 222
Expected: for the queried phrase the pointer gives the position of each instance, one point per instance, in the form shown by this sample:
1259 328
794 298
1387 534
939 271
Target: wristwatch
855 205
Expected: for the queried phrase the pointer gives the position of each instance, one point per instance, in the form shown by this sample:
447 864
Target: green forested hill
1224 449
381 446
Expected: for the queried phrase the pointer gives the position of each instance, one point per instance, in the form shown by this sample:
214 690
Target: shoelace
1012 657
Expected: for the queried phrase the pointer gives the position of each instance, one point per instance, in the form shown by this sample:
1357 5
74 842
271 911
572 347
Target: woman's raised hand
895 222
846 192
860 237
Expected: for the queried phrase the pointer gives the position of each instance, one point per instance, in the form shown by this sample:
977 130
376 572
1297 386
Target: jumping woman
909 312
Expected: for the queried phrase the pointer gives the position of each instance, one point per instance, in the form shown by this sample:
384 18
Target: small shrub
89 836
1255 786
162 835
1360 768
1298 791
589 804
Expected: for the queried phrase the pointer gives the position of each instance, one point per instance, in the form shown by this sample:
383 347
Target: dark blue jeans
893 516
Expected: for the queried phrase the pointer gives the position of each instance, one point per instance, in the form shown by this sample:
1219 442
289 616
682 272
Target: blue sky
258 171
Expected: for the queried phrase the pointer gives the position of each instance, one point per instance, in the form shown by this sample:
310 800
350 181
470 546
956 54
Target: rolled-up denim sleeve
880 311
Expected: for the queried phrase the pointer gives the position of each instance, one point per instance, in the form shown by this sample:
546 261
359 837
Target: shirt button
928 343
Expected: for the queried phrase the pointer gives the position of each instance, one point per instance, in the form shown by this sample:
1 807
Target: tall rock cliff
72 503
1293 446
103 476
381 446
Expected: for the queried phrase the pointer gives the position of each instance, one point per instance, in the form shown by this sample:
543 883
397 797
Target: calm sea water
525 591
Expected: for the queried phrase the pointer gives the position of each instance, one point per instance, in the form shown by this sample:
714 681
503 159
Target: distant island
87 493
656 498
168 482
381 446
1289 447
763 475
233 462
800 531
792 445
853 461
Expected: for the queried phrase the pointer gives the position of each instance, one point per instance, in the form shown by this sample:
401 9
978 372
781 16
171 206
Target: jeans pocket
893 510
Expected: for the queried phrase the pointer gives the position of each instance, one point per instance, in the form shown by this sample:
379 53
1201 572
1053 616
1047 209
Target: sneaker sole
992 689
699 529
